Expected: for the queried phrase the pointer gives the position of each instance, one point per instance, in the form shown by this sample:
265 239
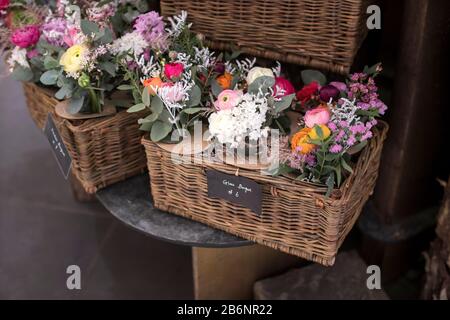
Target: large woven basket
40 102
296 216
103 150
323 34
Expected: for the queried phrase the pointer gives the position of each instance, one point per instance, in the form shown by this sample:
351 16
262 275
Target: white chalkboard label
239 190
58 147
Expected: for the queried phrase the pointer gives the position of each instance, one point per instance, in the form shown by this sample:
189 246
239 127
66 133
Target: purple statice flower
332 126
366 135
340 135
336 148
151 26
351 141
358 128
54 31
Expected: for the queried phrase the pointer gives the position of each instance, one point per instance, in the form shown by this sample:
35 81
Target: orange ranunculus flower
325 131
300 140
224 80
152 84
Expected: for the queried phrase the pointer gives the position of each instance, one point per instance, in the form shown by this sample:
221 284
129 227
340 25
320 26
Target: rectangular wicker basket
104 150
296 216
40 102
323 34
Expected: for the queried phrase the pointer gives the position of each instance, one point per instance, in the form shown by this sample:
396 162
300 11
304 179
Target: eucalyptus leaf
192 110
107 36
284 103
160 130
263 83
194 96
89 27
50 63
76 104
22 74
108 67
215 88
150 118
309 76
49 77
165 116
136 108
146 97
157 105
146 126
64 92
124 87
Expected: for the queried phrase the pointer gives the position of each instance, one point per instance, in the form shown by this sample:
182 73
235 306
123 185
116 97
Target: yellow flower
71 60
325 132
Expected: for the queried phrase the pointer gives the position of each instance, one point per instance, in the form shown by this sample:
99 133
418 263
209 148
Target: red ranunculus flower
25 37
173 70
4 4
284 85
306 93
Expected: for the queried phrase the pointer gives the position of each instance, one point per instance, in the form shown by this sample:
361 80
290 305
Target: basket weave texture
103 150
323 34
296 216
40 102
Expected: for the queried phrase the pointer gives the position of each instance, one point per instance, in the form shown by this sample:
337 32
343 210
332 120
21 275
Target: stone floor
43 229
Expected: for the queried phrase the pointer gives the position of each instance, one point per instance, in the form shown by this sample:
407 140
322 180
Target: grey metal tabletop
130 201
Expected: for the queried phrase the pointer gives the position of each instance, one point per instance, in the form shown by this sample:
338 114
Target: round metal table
130 202
224 266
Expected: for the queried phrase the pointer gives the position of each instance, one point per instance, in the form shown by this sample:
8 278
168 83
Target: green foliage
160 130
22 74
263 83
50 77
309 76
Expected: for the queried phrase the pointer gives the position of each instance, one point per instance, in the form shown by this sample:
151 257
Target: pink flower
283 85
175 92
341 86
71 36
25 37
228 99
173 70
33 53
317 116
4 4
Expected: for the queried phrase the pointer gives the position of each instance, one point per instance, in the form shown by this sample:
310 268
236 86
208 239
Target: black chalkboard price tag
239 190
58 147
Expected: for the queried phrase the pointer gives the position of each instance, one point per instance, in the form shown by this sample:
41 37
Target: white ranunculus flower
257 72
221 125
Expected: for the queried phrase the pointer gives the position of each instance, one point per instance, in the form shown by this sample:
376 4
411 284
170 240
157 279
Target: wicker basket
103 150
296 216
40 101
323 34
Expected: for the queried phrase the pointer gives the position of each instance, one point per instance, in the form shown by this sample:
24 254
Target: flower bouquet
165 69
337 124
34 35
246 109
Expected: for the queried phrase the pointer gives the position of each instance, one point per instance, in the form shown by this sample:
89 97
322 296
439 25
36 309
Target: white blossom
132 43
18 57
247 119
177 24
204 59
